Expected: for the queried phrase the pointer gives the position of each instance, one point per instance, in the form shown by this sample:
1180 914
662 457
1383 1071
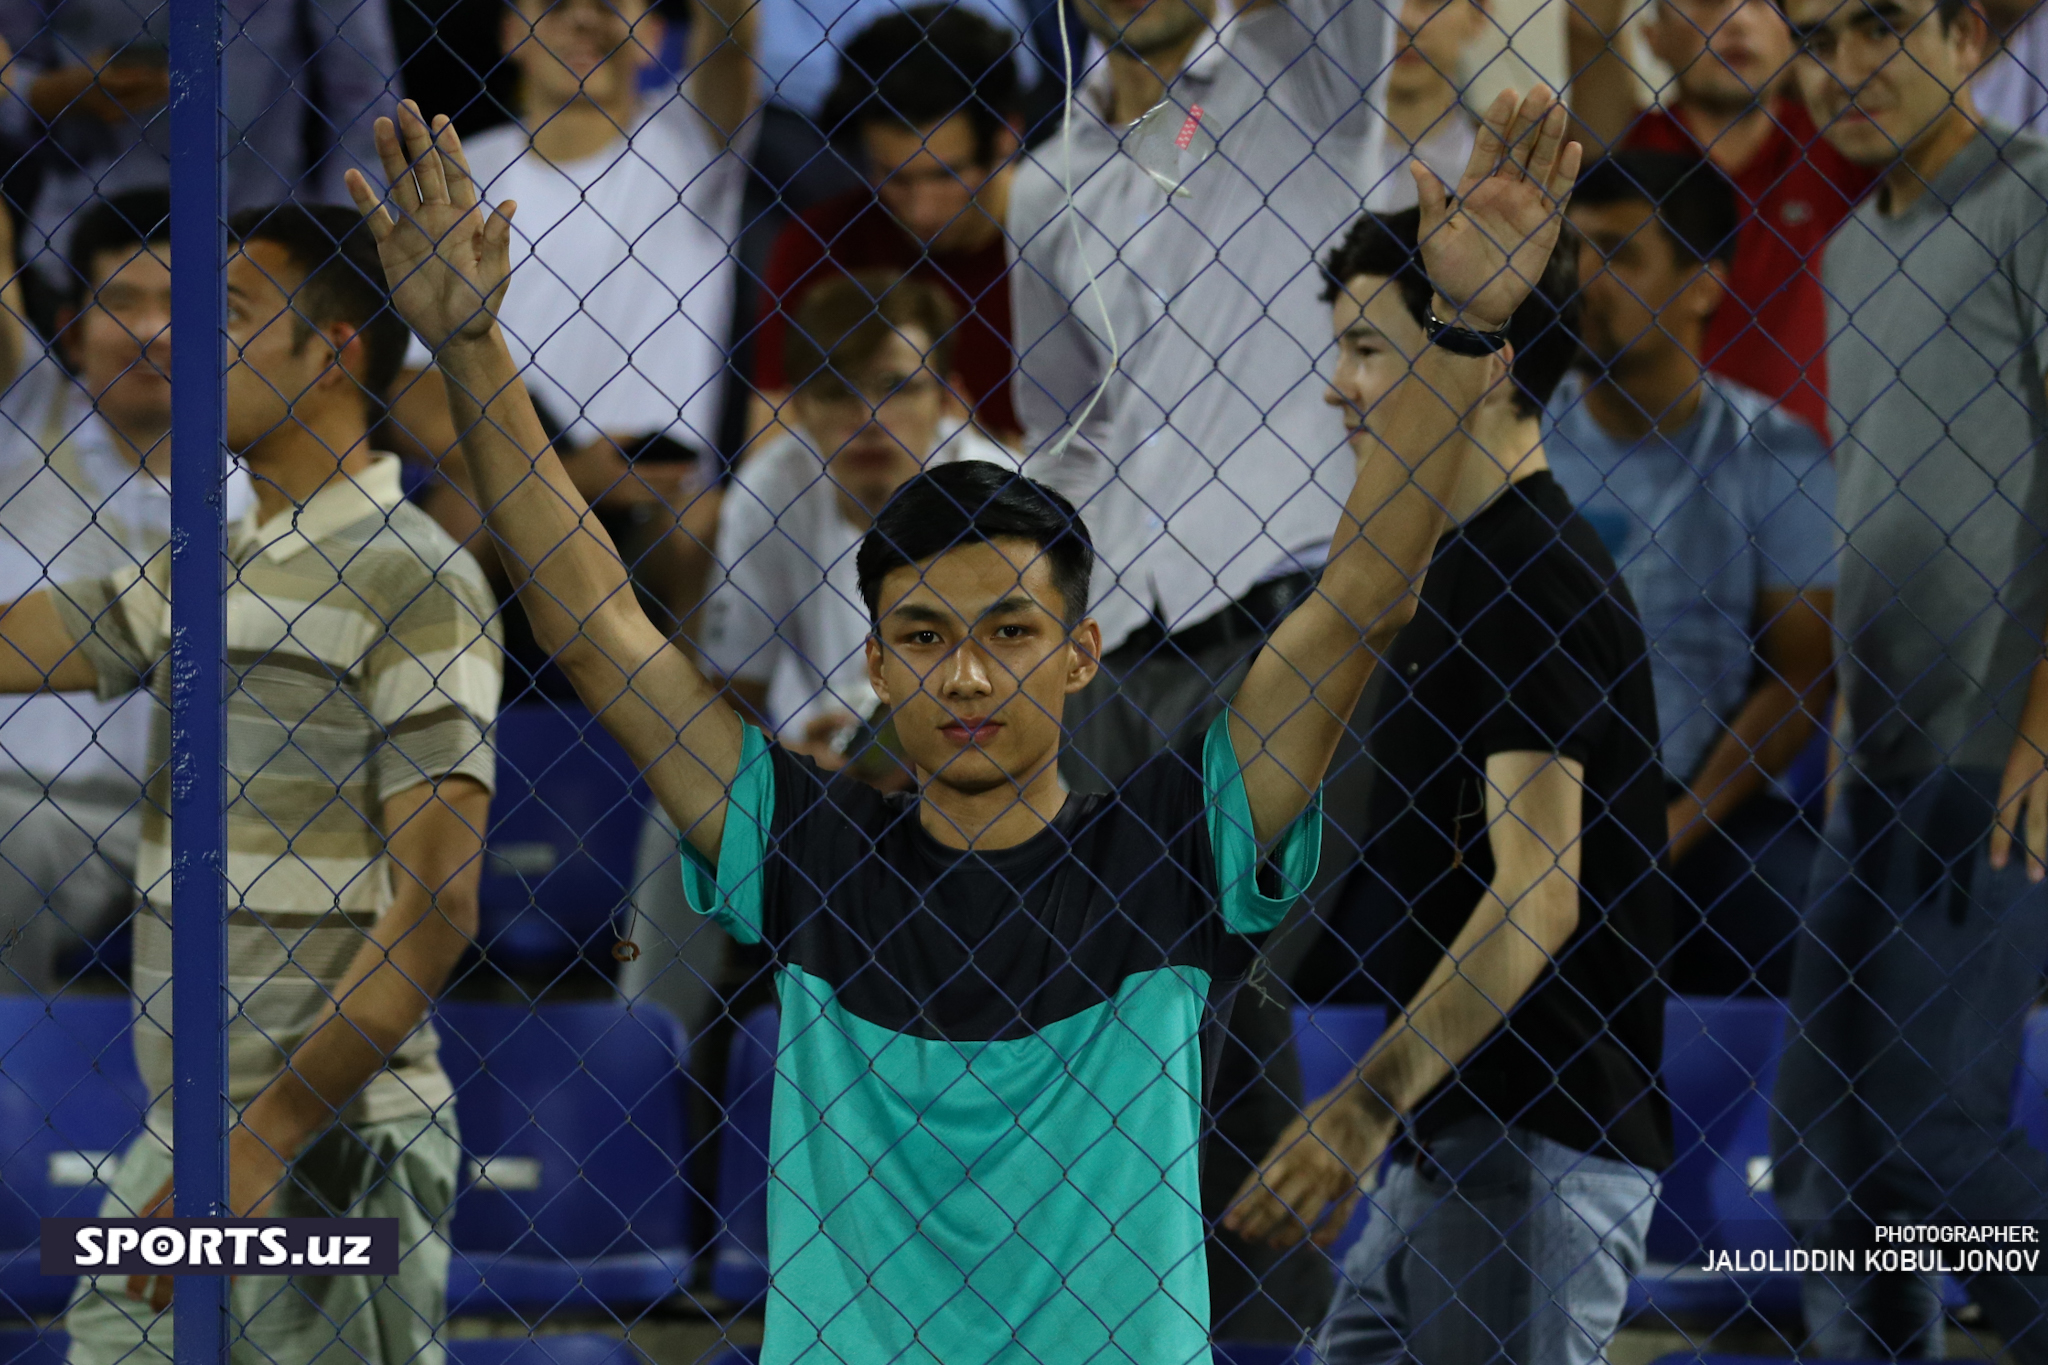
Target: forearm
722 80
1772 728
390 985
1503 948
1604 99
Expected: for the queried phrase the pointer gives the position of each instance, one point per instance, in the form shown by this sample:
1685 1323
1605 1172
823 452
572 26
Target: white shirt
1211 462
1446 149
2010 89
788 613
73 507
622 274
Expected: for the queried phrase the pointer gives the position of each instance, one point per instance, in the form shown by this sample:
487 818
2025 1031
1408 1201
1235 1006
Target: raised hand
446 256
1485 250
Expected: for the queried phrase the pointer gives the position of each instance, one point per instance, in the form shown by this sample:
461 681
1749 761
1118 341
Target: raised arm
447 259
1604 96
724 84
1483 257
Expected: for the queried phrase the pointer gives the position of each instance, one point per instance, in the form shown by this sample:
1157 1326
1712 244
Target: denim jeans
1910 988
1500 1246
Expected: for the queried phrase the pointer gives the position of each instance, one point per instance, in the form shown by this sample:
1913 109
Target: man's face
281 371
972 656
1145 27
120 343
1726 54
927 178
1377 343
876 427
1879 75
570 48
1432 41
1643 297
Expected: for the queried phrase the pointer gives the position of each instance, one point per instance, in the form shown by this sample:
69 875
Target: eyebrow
917 611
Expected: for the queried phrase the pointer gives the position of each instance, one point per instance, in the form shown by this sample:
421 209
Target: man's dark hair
341 281
1694 203
923 65
123 224
1544 331
975 502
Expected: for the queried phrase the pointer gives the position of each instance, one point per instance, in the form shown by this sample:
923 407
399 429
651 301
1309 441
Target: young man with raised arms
989 1091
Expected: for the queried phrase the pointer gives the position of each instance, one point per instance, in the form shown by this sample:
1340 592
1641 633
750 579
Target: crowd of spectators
1768 432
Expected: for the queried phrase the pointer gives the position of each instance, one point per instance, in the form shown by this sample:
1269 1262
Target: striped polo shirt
365 657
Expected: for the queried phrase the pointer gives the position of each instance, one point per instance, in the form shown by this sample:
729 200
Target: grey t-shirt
1935 363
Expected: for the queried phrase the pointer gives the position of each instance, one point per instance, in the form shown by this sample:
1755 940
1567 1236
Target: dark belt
1250 618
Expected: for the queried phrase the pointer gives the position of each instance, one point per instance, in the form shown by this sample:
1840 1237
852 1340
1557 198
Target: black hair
1544 331
1693 201
122 223
974 502
921 66
342 281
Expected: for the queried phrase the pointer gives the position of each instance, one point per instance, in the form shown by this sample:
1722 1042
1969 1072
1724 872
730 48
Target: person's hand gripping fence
1483 250
448 255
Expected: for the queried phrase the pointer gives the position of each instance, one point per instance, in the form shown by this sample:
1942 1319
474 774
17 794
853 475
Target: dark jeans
1910 988
1737 901
1152 695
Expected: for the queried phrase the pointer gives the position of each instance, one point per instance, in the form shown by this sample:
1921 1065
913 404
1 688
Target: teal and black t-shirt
988 1096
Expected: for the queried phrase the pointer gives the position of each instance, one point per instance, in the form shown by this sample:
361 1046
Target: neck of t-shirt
1501 457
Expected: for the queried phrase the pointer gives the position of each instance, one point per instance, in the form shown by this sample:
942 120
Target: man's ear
514 29
1084 643
1708 287
351 353
67 336
875 678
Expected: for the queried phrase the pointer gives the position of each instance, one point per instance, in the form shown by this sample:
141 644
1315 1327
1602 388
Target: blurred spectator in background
622 296
1719 510
930 97
302 82
84 456
800 159
1922 954
2010 89
1425 97
1729 59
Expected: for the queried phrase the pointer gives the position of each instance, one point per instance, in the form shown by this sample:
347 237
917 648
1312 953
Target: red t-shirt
1770 333
853 232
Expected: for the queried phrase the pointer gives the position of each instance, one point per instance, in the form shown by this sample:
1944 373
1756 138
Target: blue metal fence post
198 637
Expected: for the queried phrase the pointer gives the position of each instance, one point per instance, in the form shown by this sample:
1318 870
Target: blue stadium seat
1329 1041
563 838
1720 1061
70 1100
574 1144
569 1348
31 1346
740 1270
2030 1085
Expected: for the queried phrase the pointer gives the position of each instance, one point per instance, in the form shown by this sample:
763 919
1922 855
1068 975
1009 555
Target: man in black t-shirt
1516 813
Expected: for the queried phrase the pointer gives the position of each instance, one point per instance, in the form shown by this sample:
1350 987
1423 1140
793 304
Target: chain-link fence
1006 681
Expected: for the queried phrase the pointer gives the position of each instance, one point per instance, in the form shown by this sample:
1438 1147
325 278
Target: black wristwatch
1463 340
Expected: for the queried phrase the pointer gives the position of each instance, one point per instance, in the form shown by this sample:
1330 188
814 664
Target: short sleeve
732 892
1247 909
433 682
745 610
1796 536
121 623
1533 646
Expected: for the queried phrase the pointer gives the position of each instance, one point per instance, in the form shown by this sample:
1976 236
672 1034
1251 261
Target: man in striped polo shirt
367 674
